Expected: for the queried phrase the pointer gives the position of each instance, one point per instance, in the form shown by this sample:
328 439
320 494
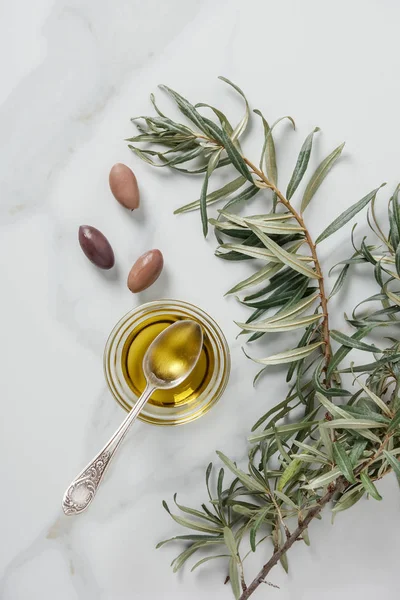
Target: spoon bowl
173 354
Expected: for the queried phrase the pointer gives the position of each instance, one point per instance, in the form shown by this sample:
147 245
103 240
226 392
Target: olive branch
344 441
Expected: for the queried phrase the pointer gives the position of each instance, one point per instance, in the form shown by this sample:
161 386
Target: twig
338 487
313 250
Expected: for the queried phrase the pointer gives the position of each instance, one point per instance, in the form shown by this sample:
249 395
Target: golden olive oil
132 360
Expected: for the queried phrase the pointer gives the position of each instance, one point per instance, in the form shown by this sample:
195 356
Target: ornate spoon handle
83 488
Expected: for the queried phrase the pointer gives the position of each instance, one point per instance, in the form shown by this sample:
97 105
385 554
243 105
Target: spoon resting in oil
168 361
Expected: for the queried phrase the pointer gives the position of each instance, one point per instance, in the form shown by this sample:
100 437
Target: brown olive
123 185
96 247
145 271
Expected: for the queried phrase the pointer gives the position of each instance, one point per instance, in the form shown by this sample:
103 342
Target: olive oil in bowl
127 345
132 365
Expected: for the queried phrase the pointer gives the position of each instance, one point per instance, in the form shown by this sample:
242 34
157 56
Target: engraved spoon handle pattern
83 488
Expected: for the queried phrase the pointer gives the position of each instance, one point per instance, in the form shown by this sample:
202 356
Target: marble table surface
74 72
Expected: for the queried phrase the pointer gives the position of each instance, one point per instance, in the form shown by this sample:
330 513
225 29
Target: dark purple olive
96 247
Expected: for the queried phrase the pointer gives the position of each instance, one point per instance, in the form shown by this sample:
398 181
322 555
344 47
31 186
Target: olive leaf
319 175
223 192
301 164
347 215
241 126
394 463
289 356
349 499
350 342
268 155
343 461
369 486
287 258
203 196
234 578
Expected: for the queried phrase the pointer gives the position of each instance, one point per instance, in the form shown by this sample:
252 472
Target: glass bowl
181 407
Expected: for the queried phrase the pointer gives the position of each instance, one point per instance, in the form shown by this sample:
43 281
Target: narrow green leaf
224 191
323 480
343 461
180 560
251 251
289 259
351 342
326 440
306 537
396 209
281 325
289 473
275 227
196 526
395 423
365 412
203 204
335 410
369 486
180 158
289 356
187 109
348 499
357 451
248 481
267 225
304 341
248 193
319 175
203 196
222 163
193 538
310 449
286 499
194 512
153 101
347 215
378 401
284 562
220 115
235 156
342 352
394 463
301 164
394 297
351 424
241 126
230 542
268 155
284 430
257 524
220 482
332 391
207 558
307 458
243 510
258 277
276 408
234 578
339 281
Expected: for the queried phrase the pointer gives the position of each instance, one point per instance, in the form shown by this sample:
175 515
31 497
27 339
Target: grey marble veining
74 73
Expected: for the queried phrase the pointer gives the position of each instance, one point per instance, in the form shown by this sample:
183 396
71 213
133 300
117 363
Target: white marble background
73 73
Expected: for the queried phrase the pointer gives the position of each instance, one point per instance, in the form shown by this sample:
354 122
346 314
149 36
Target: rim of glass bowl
161 415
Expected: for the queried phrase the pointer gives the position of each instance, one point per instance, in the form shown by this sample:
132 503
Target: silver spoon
169 359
